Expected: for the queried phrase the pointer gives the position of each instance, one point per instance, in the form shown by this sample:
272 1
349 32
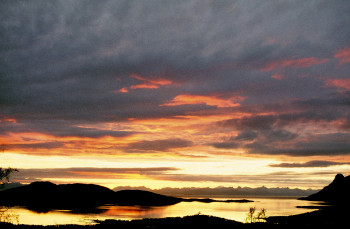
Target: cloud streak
158 145
309 164
29 175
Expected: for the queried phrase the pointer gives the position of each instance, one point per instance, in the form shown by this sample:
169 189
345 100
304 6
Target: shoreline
91 222
328 215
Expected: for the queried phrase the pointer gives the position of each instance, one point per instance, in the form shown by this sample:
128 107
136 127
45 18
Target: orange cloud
123 90
202 99
297 63
8 120
343 55
339 83
277 76
157 81
146 83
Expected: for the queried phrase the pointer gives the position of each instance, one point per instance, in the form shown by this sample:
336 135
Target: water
235 211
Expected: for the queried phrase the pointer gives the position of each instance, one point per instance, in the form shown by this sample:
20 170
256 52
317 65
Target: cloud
202 99
146 84
309 164
267 179
297 63
61 129
278 133
339 83
71 68
160 174
277 76
158 145
258 122
247 135
226 145
33 146
343 55
29 175
318 145
85 52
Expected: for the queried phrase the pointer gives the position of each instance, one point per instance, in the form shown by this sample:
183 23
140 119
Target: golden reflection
234 211
134 212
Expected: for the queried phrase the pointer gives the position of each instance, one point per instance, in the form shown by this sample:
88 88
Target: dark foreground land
334 215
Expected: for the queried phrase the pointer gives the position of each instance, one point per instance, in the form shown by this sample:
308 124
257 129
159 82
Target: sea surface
236 211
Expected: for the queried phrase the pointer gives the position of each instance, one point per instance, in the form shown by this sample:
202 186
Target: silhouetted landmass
333 213
308 220
336 192
84 198
196 221
9 186
227 191
45 196
326 216
143 198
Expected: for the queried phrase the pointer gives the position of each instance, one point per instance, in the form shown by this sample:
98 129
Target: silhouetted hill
187 222
144 198
9 185
336 192
44 196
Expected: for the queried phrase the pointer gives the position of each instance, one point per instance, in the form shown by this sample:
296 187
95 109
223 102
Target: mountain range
226 191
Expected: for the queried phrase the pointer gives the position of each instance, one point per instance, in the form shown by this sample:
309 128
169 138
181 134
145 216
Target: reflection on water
235 211
7 216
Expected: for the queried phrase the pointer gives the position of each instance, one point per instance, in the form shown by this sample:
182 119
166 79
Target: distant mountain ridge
226 191
338 191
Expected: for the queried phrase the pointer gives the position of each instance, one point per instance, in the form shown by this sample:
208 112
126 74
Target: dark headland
336 198
45 196
334 213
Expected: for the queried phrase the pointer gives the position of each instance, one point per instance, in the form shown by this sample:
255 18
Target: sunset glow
175 93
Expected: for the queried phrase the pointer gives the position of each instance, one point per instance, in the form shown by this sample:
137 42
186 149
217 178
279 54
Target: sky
194 93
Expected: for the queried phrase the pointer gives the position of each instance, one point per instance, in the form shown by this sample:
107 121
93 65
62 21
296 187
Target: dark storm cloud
318 144
309 164
247 135
45 145
274 135
286 143
71 60
332 107
63 58
60 129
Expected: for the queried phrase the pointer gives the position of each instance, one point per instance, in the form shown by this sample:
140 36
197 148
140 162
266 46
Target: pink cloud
297 63
277 76
343 55
339 83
